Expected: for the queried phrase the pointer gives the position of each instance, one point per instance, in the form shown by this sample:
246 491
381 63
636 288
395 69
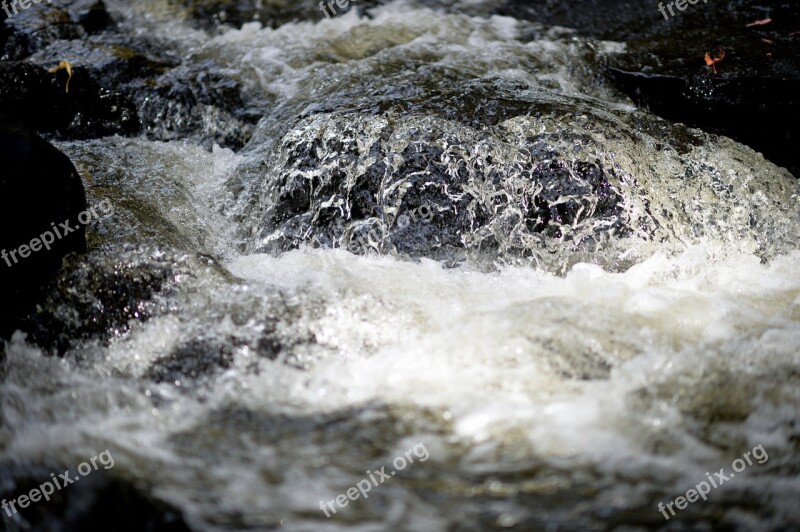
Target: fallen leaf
759 22
63 65
713 62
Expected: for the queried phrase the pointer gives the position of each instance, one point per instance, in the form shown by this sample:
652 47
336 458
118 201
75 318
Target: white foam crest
476 347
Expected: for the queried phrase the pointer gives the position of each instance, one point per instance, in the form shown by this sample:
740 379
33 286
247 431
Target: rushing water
569 388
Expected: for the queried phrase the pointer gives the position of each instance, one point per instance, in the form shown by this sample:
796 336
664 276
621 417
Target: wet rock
193 360
113 290
209 14
100 297
30 30
119 84
111 60
753 96
201 102
170 100
40 99
41 194
619 20
545 180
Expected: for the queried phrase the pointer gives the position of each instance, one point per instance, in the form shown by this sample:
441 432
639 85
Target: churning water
602 308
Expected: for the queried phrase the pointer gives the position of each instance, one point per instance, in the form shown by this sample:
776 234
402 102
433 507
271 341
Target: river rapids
444 232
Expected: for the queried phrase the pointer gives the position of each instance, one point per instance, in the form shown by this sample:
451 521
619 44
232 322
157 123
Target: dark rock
171 101
620 20
198 358
32 95
510 176
734 107
209 14
119 85
202 102
754 97
45 23
40 189
99 297
99 501
40 99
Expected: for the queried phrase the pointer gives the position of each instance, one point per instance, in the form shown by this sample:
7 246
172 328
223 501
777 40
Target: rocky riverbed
544 242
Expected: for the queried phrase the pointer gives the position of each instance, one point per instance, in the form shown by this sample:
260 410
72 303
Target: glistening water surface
602 307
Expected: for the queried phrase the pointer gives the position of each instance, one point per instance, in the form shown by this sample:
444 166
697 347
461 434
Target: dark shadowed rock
99 501
32 95
754 97
39 189
119 85
620 20
38 98
45 23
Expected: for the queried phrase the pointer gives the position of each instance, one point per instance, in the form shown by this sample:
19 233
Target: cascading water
602 307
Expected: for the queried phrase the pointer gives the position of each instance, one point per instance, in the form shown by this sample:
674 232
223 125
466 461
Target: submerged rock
42 196
197 359
543 179
101 297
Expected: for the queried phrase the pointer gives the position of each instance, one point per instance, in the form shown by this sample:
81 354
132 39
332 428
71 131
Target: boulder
750 96
514 176
42 195
40 99
118 84
46 23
